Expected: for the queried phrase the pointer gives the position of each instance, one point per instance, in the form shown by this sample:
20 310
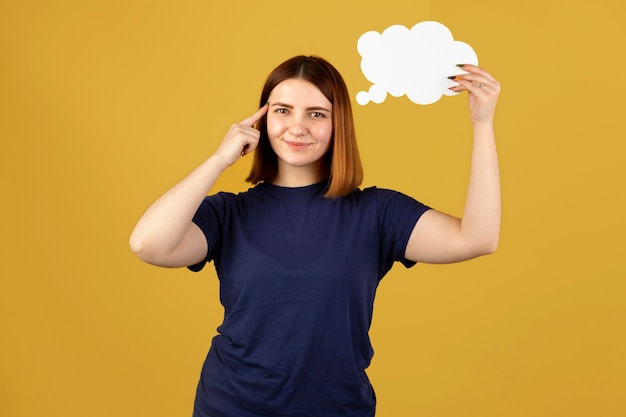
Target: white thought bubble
414 62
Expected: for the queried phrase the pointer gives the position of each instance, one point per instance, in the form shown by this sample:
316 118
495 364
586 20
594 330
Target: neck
290 176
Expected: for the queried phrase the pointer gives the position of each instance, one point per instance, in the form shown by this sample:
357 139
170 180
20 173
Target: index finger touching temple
250 121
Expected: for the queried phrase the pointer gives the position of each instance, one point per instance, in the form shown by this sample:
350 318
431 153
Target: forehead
298 91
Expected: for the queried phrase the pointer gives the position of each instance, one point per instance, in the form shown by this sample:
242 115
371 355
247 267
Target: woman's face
299 126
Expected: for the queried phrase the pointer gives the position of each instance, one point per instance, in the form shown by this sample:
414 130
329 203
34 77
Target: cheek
273 128
324 133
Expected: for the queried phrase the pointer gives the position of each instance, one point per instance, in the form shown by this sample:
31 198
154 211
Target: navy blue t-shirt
298 273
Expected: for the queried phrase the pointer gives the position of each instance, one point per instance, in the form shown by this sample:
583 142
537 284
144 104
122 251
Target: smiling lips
297 145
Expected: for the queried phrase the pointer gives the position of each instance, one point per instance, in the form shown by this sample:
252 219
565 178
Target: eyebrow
289 106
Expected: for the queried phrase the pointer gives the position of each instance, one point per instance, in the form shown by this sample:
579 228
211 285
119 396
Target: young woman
299 256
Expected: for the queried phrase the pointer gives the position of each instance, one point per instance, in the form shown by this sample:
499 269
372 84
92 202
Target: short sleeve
398 214
209 218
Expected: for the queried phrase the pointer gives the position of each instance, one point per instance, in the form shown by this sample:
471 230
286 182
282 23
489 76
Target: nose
298 127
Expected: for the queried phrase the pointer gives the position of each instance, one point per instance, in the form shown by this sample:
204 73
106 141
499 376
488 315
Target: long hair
342 163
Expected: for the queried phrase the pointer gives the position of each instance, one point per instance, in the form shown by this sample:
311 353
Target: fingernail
455 77
267 103
460 65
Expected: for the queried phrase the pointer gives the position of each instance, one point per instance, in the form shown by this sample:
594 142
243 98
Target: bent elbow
140 248
485 245
490 246
492 249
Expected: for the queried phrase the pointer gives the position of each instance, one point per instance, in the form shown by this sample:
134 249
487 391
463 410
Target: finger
248 148
474 87
250 121
251 143
465 82
475 69
472 80
468 77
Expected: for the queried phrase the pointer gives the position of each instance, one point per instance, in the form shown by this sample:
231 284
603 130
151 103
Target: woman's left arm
441 238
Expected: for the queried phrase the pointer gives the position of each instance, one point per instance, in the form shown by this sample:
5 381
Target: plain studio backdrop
106 104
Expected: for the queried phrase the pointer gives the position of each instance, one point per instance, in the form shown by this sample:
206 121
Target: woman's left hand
483 92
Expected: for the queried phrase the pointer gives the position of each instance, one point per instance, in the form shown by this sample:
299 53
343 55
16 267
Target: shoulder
229 197
385 195
383 202
369 192
222 203
395 204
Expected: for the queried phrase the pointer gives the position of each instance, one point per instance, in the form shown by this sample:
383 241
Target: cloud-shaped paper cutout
415 62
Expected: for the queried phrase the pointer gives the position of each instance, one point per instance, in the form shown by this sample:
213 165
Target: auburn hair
342 163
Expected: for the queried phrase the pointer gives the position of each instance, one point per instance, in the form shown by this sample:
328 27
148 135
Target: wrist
484 133
218 162
483 127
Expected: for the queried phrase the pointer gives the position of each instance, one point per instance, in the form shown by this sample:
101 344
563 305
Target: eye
281 110
318 115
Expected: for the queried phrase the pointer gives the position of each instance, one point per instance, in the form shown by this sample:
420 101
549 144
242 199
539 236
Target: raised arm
441 238
165 234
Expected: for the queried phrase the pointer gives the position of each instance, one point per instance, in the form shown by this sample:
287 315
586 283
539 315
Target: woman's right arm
165 234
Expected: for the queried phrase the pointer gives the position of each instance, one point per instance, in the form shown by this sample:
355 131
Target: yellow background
105 104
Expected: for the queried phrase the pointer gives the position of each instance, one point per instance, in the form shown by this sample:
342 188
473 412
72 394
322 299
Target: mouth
297 145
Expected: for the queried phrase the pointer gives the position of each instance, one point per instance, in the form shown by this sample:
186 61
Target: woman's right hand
241 139
165 235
